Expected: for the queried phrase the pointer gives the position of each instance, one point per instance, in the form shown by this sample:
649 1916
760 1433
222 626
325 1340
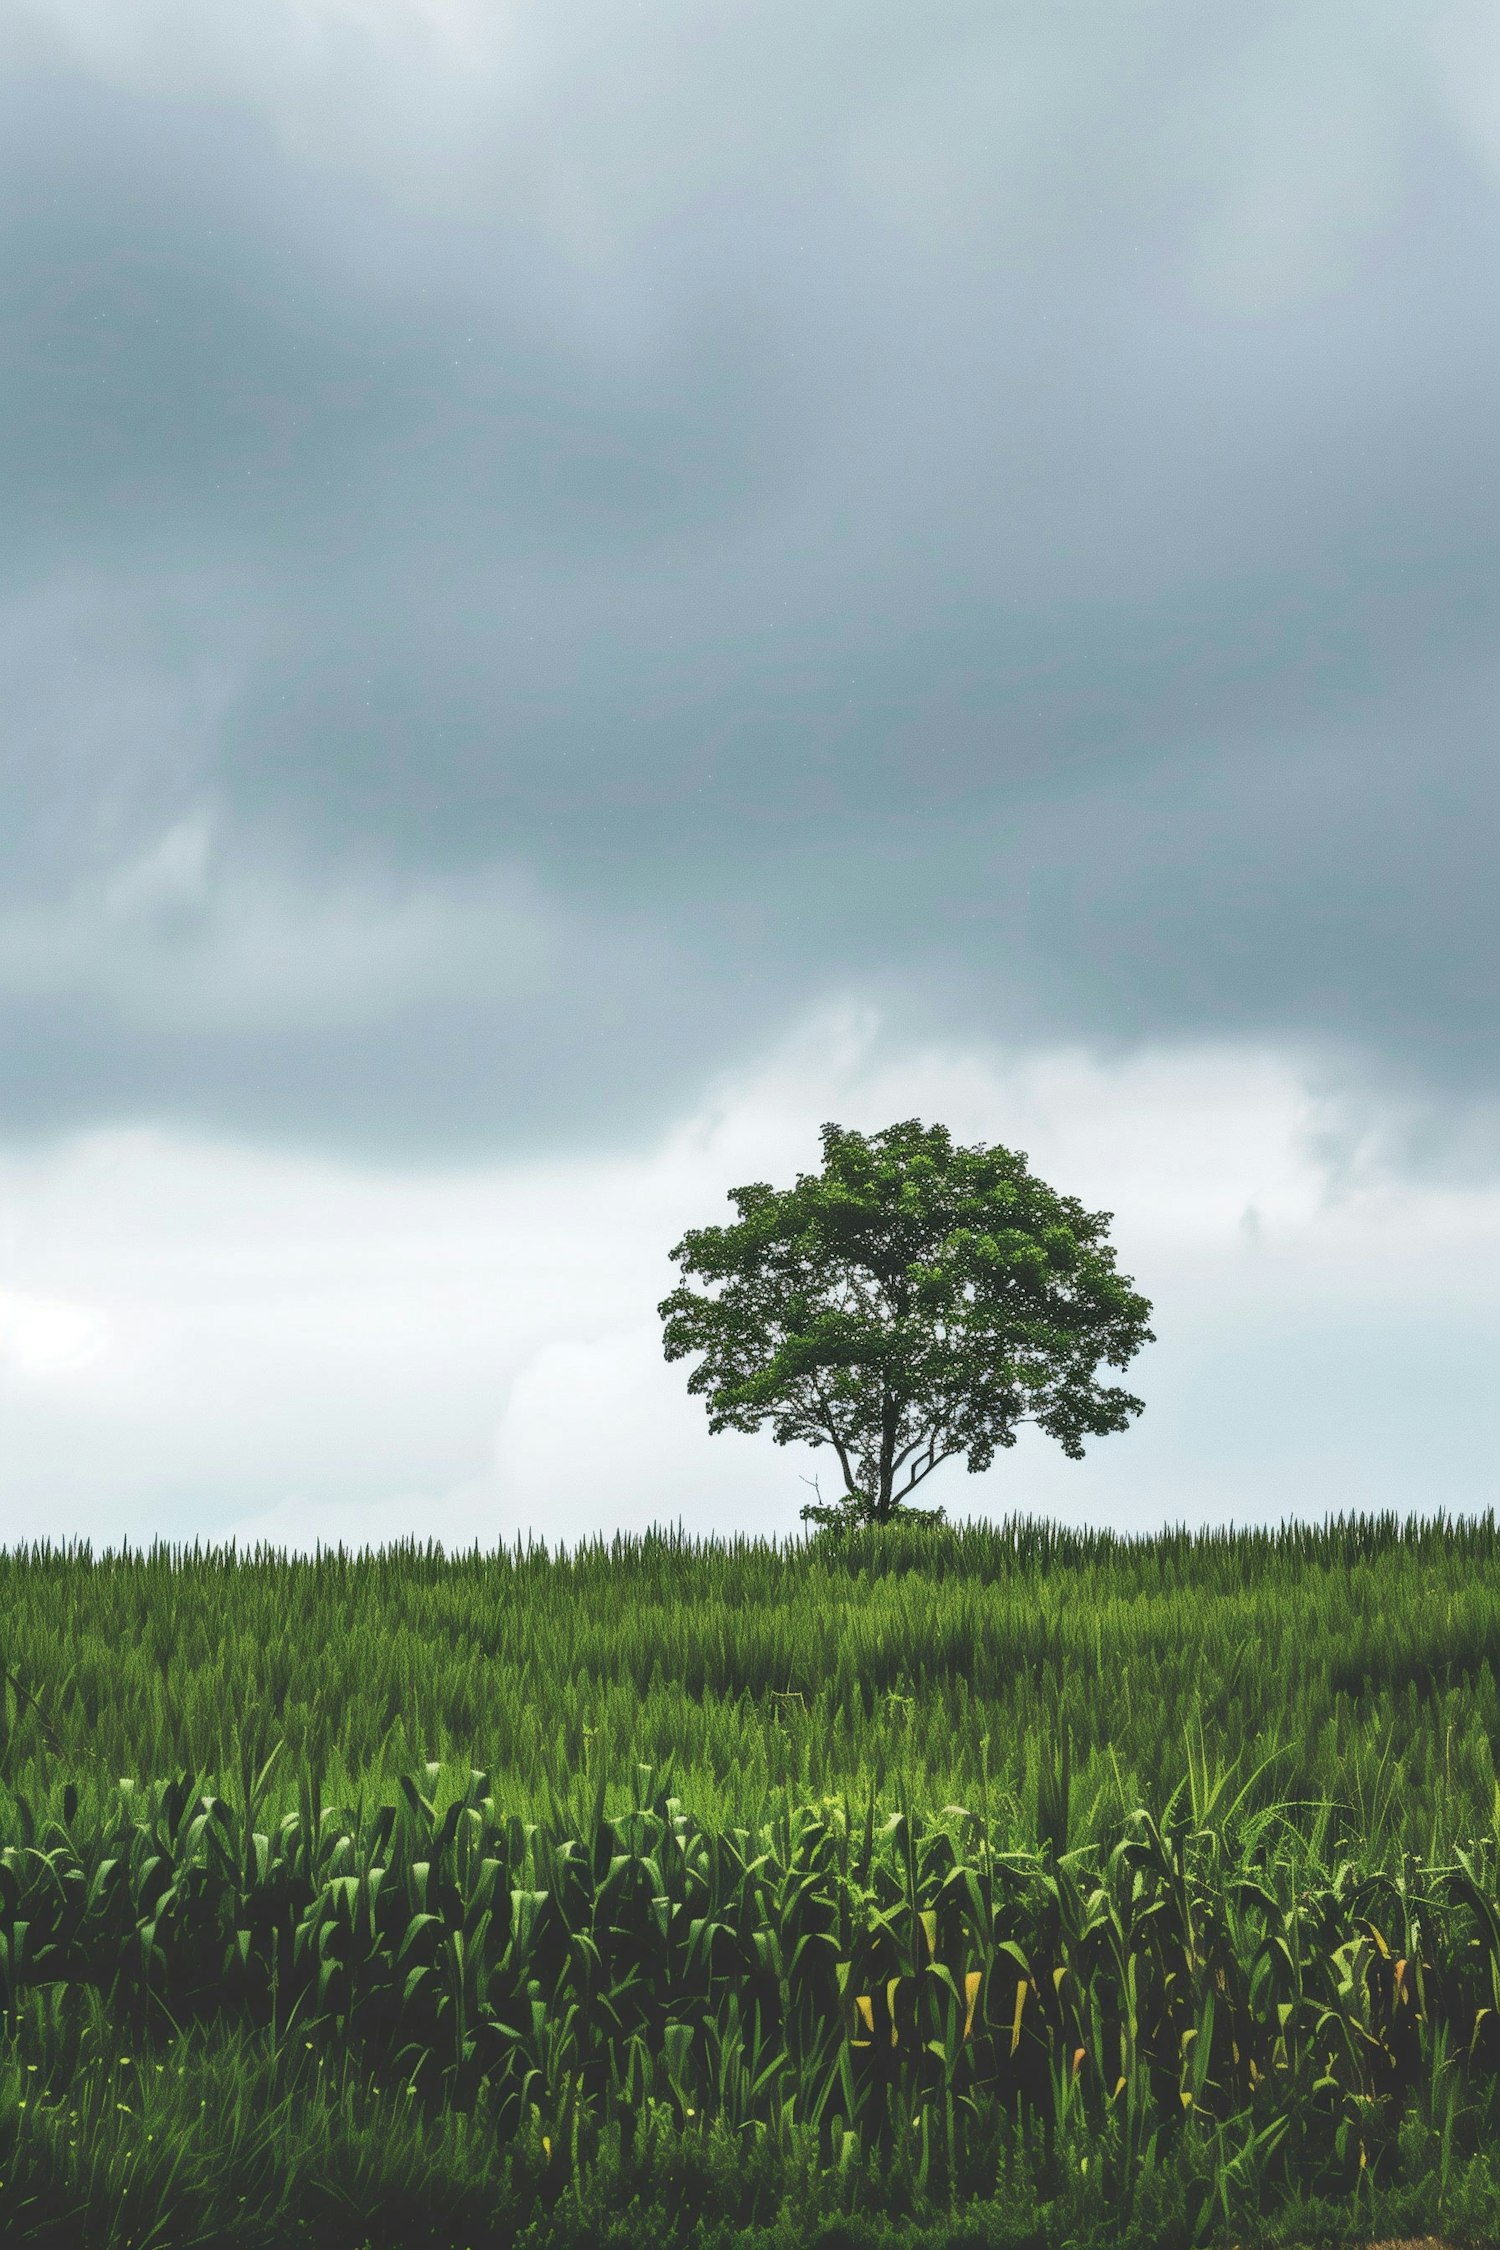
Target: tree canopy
912 1301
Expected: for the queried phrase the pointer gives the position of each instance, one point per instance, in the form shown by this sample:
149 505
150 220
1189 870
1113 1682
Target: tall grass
1118 1890
1357 1662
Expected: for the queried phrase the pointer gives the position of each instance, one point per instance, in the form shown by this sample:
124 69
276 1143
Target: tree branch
920 1475
834 1438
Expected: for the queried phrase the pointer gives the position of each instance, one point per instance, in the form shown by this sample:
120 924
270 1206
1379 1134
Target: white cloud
41 1337
226 1341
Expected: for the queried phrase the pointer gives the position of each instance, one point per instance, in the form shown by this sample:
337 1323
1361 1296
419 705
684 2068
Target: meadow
990 1884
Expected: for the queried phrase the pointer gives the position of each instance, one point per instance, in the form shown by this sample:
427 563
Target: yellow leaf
1015 2030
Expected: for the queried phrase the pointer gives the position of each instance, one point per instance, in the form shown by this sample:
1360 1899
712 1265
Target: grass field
1000 1884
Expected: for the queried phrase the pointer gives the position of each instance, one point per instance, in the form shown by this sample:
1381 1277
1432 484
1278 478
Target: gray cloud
586 547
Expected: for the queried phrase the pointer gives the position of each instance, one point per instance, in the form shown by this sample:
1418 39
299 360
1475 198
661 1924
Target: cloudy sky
586 586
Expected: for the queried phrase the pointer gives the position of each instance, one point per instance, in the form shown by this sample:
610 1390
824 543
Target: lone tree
911 1301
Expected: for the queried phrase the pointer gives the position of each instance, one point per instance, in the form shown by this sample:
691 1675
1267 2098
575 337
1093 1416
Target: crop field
986 1885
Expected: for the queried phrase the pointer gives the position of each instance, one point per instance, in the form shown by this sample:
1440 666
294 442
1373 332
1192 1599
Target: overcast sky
584 587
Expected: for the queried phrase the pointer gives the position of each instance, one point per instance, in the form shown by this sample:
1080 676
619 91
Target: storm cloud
544 545
583 587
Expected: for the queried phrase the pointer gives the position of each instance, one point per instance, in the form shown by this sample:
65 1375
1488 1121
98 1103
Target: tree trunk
884 1505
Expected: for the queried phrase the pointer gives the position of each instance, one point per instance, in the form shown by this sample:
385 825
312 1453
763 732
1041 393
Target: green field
987 1885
